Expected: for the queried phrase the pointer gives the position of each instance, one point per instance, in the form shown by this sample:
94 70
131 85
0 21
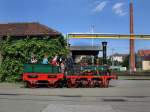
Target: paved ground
122 96
134 77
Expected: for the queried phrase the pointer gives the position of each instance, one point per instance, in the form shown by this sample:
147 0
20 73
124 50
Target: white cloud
100 6
118 9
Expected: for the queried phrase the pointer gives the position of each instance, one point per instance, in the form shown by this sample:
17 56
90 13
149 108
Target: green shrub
16 53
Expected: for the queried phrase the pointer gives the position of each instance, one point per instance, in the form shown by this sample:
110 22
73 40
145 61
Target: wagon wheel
50 85
107 83
102 84
85 84
91 84
99 84
35 85
95 84
79 84
56 84
62 83
30 85
70 85
88 84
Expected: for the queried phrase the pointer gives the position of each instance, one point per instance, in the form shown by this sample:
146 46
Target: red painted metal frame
72 81
43 77
103 80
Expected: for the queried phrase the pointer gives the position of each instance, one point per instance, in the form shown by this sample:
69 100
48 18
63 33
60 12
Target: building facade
118 57
143 59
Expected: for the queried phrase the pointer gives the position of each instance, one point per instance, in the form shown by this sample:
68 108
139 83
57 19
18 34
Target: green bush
16 53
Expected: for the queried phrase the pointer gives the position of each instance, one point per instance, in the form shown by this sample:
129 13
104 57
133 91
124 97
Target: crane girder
108 36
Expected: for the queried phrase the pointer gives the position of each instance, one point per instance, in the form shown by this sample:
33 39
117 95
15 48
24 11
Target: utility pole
132 52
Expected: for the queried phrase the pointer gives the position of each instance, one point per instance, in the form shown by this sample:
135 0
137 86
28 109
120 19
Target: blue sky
67 16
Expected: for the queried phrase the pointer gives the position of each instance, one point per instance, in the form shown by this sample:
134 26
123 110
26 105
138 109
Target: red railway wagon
79 76
41 74
33 80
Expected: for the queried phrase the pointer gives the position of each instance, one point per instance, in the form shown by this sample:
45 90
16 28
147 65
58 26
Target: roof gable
26 29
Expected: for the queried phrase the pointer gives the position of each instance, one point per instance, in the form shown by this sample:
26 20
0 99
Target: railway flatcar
42 74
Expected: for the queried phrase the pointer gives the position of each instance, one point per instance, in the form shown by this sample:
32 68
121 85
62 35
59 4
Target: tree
126 61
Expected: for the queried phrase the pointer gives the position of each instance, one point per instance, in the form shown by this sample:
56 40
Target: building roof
27 29
143 53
